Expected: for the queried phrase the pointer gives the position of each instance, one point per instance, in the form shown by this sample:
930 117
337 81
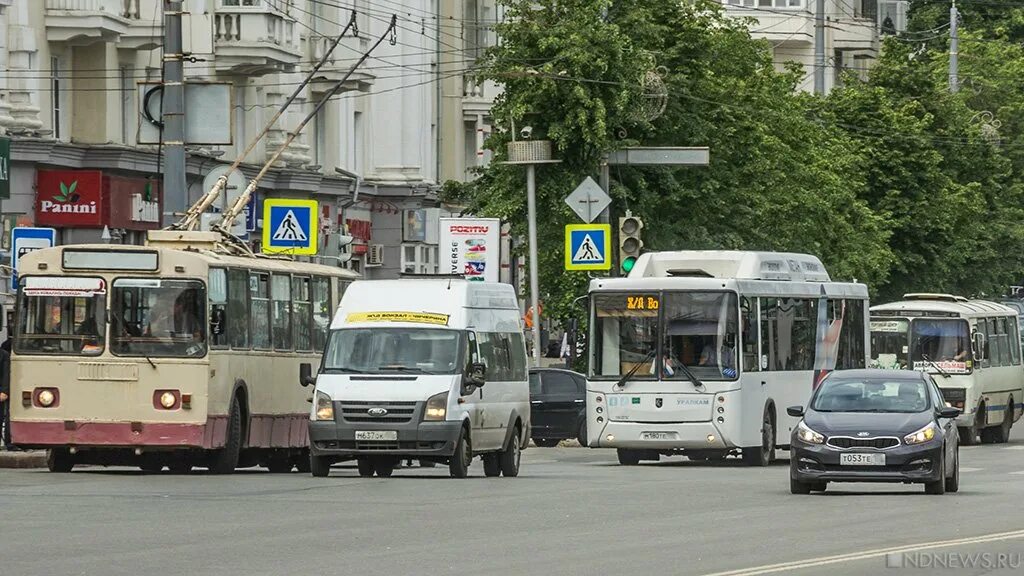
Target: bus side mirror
306 374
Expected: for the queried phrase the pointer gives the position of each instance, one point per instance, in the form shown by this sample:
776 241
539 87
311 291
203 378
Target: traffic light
630 243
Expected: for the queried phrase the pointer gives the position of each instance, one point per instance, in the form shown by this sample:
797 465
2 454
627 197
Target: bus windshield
158 317
393 350
69 324
696 330
944 342
889 343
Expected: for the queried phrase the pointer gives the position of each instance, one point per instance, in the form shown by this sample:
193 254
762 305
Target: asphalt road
573 511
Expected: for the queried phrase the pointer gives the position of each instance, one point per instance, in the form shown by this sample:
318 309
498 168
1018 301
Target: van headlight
807 435
437 407
324 407
921 436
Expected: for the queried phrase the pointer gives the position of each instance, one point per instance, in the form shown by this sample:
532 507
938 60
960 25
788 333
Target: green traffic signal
628 263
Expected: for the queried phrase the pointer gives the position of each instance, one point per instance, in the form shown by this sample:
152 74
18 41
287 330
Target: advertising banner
470 247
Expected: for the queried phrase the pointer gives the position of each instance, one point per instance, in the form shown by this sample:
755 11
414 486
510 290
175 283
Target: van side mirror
477 374
306 374
795 411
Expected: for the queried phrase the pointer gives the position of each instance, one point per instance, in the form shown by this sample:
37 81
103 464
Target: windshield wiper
348 370
403 369
632 371
689 374
934 365
151 363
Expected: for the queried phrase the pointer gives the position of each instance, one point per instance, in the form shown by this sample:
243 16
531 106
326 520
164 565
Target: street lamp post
529 153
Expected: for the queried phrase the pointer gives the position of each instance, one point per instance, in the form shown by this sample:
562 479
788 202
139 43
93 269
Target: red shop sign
69 198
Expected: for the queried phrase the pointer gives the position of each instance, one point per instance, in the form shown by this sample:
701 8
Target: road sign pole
531 207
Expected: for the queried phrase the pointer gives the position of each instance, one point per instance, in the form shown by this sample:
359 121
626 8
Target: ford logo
863 434
377 411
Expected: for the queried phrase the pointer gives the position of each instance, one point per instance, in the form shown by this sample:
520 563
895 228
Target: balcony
477 96
145 24
84 22
337 66
254 39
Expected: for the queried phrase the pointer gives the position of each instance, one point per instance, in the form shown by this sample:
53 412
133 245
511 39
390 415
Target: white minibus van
432 369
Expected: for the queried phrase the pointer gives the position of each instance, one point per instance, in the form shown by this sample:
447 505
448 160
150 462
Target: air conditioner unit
892 16
375 255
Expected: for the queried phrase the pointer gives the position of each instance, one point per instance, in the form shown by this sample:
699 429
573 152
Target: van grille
359 412
880 443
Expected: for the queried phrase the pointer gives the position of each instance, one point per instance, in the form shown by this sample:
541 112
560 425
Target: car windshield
158 317
941 344
394 350
890 343
871 395
61 315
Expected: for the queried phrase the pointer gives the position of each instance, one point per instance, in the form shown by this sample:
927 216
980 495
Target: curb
34 459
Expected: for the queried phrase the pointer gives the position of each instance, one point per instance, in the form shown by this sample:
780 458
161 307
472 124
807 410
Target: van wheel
60 460
511 456
492 465
319 466
225 460
762 455
628 457
365 467
384 467
458 464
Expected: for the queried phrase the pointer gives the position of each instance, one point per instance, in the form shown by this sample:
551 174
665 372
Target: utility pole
819 48
954 49
175 187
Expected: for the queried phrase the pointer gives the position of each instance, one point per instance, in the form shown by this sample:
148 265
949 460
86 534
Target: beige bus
171 354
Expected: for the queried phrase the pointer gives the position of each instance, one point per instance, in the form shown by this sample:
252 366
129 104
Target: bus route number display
641 303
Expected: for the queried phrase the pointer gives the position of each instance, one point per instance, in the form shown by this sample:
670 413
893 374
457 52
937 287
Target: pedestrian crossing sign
588 247
290 226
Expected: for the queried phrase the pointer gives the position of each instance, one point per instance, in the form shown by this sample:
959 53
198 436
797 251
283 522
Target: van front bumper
415 439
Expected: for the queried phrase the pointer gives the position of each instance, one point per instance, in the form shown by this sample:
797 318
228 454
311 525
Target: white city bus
174 355
973 349
700 352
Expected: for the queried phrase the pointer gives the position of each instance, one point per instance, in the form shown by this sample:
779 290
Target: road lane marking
868 554
1013 447
966 469
1020 473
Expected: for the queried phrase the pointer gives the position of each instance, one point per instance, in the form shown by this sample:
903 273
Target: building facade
74 75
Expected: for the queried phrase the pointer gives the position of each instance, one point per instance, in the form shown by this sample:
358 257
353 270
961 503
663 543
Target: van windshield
393 351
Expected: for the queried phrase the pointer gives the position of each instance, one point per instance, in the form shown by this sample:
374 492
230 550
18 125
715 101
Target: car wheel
939 486
762 455
510 457
798 487
953 482
384 467
819 486
365 467
628 457
546 442
458 464
581 434
492 465
60 460
319 466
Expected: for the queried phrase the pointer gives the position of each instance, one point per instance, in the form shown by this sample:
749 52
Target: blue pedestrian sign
290 226
588 247
25 240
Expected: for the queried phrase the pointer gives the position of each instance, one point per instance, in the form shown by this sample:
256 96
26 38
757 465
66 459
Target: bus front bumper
414 439
667 436
46 434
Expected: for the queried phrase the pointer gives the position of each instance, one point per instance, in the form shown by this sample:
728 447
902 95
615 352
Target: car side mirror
795 411
949 412
306 374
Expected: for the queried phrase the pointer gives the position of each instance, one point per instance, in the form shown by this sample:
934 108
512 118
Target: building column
23 96
5 108
297 154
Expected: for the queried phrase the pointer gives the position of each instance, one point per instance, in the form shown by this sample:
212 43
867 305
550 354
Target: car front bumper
907 464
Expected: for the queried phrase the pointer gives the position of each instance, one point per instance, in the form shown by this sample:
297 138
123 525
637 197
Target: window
846 320
237 327
158 317
700 331
534 384
1003 335
419 259
239 2
494 353
1014 341
848 395
942 341
56 96
788 333
560 383
517 350
625 334
218 287
67 325
890 339
357 142
127 100
748 320
302 313
321 311
281 293
982 328
394 351
767 3
259 294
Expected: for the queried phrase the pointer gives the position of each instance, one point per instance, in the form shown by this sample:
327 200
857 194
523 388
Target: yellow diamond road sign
588 247
289 226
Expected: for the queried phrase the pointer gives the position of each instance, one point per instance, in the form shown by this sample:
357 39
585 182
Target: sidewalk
32 459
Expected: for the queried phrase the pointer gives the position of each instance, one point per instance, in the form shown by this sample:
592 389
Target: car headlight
921 436
324 407
437 407
807 435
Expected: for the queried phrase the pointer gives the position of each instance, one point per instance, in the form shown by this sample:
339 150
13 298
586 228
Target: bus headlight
324 407
437 407
807 435
921 436
45 398
168 400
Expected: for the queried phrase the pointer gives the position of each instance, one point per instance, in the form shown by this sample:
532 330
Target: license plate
377 435
657 435
862 459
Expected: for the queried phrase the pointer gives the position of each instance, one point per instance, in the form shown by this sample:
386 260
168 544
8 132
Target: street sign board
290 226
588 200
5 167
25 240
250 213
588 247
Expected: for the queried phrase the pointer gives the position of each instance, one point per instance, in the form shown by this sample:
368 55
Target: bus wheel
1001 435
762 455
225 460
60 460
